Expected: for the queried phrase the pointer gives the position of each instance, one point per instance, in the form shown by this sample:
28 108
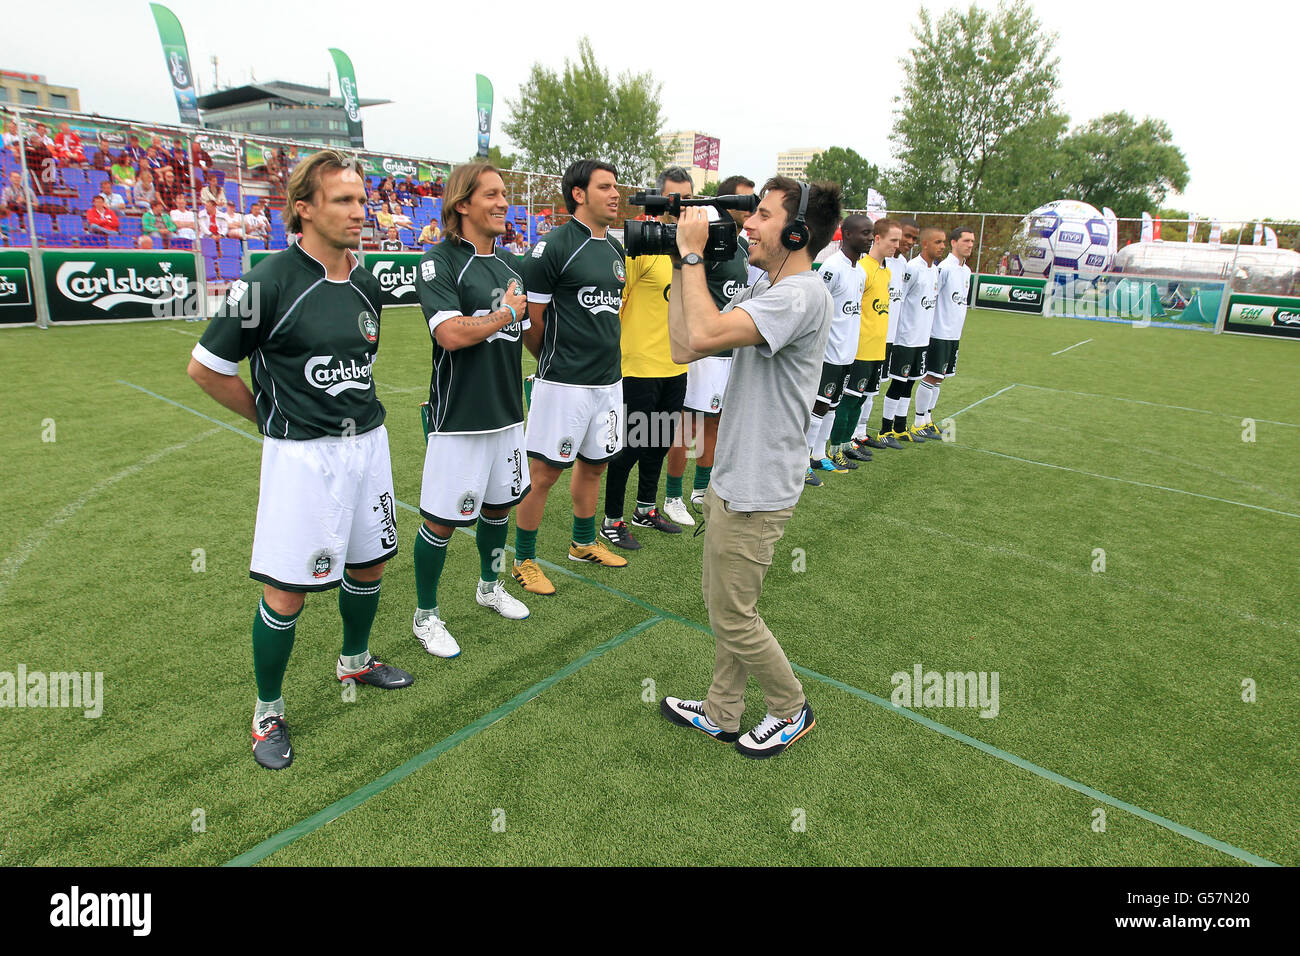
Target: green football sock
430 556
584 530
674 487
846 419
525 545
491 539
272 644
702 473
358 602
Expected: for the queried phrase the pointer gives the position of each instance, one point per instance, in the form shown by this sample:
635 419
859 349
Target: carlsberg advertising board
92 285
396 272
1263 315
1010 293
17 301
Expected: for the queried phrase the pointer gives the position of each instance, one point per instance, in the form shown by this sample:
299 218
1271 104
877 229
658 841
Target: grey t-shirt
762 450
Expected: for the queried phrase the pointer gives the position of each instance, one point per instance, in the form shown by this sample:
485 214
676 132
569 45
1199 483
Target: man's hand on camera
692 231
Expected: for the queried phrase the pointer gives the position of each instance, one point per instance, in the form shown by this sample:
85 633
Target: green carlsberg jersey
580 280
478 388
728 278
310 342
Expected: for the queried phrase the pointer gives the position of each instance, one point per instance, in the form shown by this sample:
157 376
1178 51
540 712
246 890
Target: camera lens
648 238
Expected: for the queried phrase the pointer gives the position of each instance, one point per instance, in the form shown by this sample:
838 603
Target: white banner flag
1112 223
1259 234
1216 232
1270 237
1191 230
1148 228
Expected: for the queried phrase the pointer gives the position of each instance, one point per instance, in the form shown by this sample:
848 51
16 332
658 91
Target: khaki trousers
738 549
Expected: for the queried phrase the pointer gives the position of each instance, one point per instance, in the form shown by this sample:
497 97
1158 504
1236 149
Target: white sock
900 410
422 614
354 662
610 522
487 587
828 422
890 405
924 402
814 429
860 433
263 709
934 400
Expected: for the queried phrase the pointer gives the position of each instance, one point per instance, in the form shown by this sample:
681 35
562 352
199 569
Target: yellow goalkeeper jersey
644 316
875 311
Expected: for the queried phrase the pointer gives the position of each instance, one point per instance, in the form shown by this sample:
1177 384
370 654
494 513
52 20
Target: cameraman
778 328
706 380
654 387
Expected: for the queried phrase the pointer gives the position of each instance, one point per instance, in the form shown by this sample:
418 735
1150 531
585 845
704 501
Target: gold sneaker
531 578
596 553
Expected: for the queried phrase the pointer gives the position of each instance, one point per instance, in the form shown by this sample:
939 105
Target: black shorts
907 363
864 378
831 389
942 358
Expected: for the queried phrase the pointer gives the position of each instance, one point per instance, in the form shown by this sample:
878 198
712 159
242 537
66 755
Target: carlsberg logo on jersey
731 288
85 285
596 301
334 375
852 308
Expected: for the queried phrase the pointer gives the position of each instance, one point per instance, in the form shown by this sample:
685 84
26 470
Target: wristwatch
692 259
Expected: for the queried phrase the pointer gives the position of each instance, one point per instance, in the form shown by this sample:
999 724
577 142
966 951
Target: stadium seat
185 244
45 224
68 224
18 237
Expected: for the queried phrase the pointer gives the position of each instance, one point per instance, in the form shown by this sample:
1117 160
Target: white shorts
465 473
324 503
706 384
567 422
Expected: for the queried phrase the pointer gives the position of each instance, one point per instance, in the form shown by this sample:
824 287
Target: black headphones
795 236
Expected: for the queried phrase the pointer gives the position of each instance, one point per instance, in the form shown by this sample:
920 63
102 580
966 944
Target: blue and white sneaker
774 734
825 464
690 713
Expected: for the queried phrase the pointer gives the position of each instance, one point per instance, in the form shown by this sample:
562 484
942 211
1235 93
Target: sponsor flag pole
177 55
484 113
1191 230
1216 232
1148 230
351 101
1112 224
1259 234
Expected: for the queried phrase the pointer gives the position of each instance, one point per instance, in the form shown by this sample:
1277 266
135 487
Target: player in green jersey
473 299
575 279
307 319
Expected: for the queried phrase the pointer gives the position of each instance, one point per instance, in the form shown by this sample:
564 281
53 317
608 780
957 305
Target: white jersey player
912 336
949 320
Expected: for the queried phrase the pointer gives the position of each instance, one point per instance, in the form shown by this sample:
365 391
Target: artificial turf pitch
1120 690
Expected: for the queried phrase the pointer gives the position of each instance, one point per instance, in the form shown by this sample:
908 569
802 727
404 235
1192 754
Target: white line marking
182 332
1136 401
13 563
1128 481
1074 346
981 401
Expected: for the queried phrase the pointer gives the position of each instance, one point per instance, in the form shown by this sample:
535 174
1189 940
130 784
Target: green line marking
360 796
269 846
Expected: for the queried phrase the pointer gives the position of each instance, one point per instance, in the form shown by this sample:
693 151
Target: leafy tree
497 158
710 189
978 103
851 171
1118 162
580 113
